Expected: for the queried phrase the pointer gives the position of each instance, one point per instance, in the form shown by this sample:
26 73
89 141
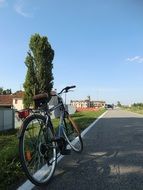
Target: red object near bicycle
22 114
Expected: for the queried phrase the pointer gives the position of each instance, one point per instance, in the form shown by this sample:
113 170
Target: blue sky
98 45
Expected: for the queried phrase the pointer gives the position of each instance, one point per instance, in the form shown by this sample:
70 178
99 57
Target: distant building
17 100
6 101
87 103
12 100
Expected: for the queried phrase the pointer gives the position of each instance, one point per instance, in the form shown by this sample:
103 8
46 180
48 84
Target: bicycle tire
72 134
37 151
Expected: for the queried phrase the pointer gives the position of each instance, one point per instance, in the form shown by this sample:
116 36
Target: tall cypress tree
39 78
30 81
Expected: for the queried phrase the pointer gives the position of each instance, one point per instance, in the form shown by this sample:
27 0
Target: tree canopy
5 92
39 77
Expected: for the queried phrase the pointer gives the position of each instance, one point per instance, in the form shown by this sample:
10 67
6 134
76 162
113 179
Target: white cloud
2 3
135 59
19 8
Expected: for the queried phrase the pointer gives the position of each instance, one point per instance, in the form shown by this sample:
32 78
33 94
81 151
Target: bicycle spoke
37 152
72 135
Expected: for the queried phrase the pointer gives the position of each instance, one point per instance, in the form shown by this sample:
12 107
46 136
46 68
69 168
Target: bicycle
40 145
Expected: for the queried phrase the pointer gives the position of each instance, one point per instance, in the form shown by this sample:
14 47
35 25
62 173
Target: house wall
18 103
80 104
70 109
56 113
87 104
6 119
17 120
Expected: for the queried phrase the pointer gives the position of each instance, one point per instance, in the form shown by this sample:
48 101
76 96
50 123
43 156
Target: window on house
15 101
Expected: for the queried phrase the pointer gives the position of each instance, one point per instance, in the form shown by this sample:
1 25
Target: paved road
112 158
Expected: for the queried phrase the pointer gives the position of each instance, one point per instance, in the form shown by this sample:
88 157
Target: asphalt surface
112 158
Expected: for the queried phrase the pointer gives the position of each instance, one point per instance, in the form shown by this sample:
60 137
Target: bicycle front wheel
72 134
37 150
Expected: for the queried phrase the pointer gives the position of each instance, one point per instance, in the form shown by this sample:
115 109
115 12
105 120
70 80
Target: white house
12 100
87 103
17 101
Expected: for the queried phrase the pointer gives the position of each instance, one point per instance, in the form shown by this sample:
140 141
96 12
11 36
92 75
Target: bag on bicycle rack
22 114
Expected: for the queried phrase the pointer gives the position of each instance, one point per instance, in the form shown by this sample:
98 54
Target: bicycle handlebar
66 89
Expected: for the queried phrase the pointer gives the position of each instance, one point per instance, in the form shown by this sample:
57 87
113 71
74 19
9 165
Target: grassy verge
85 118
9 161
10 170
134 109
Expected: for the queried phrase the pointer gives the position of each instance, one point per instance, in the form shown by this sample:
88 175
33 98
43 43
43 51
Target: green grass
9 162
10 170
135 109
85 118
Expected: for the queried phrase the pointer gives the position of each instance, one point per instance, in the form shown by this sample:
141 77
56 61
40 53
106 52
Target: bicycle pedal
66 152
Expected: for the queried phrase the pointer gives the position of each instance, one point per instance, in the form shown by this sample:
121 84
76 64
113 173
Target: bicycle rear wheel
72 134
37 150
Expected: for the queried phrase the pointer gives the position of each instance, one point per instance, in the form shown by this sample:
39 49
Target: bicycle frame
61 106
39 139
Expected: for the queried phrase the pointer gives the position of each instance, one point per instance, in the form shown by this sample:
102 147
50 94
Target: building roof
80 101
92 101
6 100
18 94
